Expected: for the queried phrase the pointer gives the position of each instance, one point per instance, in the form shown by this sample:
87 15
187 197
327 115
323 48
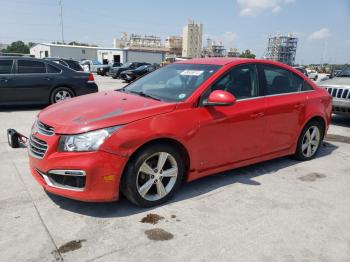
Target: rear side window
52 69
74 65
6 66
276 80
30 67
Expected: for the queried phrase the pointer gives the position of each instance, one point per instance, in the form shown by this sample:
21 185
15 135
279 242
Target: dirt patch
71 246
158 234
338 138
151 219
311 177
173 216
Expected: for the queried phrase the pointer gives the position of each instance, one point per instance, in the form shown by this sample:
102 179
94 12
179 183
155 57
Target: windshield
345 72
173 83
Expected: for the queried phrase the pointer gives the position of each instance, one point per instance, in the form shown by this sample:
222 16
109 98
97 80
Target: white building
64 51
103 55
192 40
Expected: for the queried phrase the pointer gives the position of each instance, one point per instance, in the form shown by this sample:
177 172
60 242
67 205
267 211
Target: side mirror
220 98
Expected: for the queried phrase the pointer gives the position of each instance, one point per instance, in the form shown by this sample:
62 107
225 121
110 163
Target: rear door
7 91
33 83
285 106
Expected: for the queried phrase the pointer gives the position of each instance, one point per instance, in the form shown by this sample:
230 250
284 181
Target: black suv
115 72
25 80
66 62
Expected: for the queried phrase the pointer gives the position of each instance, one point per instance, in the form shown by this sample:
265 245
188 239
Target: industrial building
282 48
213 49
174 45
103 55
192 40
137 41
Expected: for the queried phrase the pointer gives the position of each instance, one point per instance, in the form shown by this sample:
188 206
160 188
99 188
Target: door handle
256 115
4 80
47 78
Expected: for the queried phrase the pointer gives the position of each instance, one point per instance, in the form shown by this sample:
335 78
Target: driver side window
241 81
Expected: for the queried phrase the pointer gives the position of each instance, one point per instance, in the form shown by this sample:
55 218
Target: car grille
342 93
37 147
45 129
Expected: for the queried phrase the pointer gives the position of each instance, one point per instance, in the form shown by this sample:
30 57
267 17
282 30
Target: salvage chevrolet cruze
184 121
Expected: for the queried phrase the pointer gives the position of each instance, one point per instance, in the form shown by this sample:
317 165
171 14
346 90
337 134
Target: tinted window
5 66
307 87
30 67
240 81
279 81
53 70
74 65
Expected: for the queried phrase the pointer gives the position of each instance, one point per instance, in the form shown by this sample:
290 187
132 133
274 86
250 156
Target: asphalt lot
280 210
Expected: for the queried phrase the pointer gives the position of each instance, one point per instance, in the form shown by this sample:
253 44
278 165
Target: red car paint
214 139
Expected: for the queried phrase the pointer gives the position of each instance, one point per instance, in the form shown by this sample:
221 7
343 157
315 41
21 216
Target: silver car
339 88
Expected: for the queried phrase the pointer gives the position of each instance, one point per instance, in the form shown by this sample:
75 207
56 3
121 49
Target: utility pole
61 19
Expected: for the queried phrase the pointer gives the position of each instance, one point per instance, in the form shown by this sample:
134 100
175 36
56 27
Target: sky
322 26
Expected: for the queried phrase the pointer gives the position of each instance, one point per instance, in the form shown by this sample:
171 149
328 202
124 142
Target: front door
229 134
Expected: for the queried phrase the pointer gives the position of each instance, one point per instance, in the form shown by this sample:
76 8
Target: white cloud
323 33
254 7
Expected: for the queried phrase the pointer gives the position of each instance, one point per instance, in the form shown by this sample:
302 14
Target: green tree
17 47
247 54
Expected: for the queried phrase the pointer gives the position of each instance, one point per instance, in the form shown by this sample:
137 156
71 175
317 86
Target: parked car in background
25 80
104 71
115 71
312 74
66 62
339 88
131 75
92 65
301 69
186 120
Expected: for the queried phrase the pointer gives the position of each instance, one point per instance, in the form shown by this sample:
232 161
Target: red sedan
186 120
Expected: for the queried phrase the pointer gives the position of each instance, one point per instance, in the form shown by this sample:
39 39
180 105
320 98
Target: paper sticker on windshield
191 73
181 96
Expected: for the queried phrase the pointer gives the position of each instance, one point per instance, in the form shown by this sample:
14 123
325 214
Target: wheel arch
163 140
317 118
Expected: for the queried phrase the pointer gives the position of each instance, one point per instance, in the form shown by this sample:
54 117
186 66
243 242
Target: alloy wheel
311 141
62 95
157 176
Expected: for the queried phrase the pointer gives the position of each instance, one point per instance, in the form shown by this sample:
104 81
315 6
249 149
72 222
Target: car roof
228 60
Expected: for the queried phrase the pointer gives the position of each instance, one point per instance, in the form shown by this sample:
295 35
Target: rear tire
153 175
309 141
60 94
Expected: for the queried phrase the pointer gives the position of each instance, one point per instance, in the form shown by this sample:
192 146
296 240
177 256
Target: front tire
153 175
309 141
60 94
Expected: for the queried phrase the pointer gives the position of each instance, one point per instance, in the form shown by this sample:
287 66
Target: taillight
91 78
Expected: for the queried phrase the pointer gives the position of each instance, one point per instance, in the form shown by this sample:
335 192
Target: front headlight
90 141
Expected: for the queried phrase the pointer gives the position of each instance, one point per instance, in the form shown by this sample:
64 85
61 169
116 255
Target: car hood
100 110
336 81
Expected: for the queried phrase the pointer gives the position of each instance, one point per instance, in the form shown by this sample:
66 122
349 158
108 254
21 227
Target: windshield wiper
144 95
